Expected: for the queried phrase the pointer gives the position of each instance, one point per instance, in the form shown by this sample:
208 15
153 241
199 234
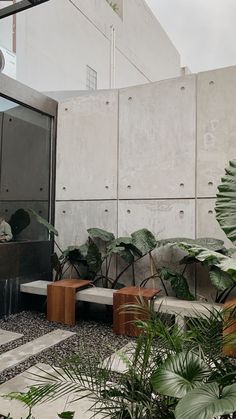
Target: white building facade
89 44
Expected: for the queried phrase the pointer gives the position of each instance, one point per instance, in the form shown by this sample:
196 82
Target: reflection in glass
24 168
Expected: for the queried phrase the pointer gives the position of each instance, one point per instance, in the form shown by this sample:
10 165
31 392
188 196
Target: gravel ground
93 340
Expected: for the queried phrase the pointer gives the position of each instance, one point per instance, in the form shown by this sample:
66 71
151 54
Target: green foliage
66 415
178 283
42 221
87 255
125 248
207 242
144 241
225 206
98 233
221 280
113 5
170 374
179 374
207 401
211 258
93 259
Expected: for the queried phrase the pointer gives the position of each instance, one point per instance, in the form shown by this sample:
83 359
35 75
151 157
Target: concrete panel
165 218
25 158
216 127
157 140
207 226
87 147
73 219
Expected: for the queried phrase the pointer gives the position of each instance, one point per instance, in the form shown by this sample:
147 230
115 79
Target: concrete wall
77 33
146 156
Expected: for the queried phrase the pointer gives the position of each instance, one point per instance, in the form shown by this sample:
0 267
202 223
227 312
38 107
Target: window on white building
91 81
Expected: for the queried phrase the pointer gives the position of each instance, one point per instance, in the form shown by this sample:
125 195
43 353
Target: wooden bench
181 309
123 320
61 299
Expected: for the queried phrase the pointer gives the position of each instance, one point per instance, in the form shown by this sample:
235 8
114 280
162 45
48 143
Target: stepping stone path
6 336
24 380
21 353
47 410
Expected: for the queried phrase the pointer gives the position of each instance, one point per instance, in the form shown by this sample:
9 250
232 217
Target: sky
203 31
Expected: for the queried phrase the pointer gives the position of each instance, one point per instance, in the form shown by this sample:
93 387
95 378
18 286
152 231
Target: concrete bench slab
169 305
94 294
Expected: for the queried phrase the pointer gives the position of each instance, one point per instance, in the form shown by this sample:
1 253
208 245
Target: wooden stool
230 331
61 300
123 321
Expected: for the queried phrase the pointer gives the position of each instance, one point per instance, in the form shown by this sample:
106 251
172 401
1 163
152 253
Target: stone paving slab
16 356
47 410
6 336
118 362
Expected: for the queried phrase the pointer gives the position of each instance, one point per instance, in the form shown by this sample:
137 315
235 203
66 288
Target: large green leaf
124 253
207 242
178 283
210 243
98 233
44 222
221 280
74 254
94 258
124 247
179 374
211 258
225 206
119 242
206 402
144 241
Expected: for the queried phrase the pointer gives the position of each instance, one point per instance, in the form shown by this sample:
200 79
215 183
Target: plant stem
162 282
133 274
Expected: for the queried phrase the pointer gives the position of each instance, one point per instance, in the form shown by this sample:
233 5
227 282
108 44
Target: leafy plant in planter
130 249
209 252
170 374
223 282
222 267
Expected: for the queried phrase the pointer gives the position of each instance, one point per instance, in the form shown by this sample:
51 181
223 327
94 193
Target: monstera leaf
44 222
179 374
178 283
225 206
144 241
207 402
98 233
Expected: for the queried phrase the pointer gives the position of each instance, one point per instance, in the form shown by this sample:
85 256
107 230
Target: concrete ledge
170 305
184 308
92 295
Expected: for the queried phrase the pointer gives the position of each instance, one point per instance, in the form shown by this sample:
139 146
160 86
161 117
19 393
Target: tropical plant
129 249
225 206
171 373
